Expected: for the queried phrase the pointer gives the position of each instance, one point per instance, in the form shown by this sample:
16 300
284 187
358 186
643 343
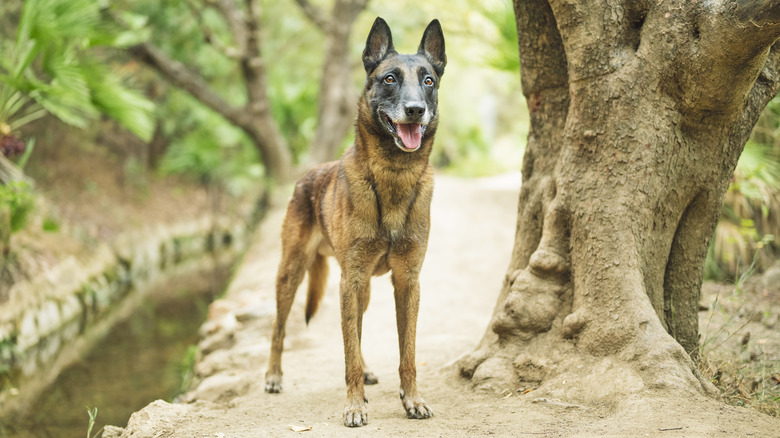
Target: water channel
145 355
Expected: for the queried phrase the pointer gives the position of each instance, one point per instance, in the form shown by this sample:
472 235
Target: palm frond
50 65
125 105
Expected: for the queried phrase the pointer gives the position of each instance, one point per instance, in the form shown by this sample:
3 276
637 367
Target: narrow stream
141 359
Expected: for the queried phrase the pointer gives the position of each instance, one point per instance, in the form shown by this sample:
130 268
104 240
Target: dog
371 211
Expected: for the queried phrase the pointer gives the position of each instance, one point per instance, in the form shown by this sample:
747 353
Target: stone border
54 307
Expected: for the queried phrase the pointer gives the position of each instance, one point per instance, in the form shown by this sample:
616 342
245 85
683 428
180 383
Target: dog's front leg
406 270
353 284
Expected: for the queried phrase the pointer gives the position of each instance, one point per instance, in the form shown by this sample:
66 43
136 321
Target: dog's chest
382 215
393 207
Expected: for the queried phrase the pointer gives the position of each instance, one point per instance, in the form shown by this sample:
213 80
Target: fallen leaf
299 428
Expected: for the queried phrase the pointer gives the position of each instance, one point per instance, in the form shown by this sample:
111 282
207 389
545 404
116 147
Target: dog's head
401 90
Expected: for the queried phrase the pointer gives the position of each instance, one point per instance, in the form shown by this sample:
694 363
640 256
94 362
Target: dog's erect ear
432 47
378 45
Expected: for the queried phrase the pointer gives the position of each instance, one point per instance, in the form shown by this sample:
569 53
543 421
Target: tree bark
639 112
337 98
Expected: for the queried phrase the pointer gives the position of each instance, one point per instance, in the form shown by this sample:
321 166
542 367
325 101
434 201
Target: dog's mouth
408 136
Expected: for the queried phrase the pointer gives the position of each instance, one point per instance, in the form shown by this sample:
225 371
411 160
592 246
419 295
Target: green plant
18 198
187 369
52 67
208 148
504 54
50 225
750 217
92 417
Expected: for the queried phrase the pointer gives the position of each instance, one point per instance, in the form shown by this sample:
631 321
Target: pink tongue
411 134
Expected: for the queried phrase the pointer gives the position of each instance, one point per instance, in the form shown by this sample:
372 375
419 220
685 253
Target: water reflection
136 362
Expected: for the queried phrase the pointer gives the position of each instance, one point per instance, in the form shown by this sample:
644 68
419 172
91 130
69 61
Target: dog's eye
389 79
428 81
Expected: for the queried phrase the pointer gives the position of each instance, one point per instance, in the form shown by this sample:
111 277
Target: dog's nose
414 108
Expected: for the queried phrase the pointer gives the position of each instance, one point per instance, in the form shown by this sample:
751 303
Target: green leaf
133 21
128 38
22 162
26 53
35 114
128 107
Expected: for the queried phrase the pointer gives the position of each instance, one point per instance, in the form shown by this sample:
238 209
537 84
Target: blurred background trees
232 92
749 225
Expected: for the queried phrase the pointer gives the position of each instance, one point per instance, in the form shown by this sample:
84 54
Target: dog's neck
380 152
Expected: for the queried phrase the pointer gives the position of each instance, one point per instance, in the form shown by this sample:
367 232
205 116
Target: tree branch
252 66
235 20
210 37
315 14
178 74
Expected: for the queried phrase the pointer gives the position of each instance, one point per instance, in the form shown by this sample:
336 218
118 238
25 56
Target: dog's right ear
378 45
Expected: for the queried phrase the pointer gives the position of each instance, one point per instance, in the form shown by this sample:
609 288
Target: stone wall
54 308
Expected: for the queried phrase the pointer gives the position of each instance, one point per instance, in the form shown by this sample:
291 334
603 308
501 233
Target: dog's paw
273 384
356 414
416 407
370 378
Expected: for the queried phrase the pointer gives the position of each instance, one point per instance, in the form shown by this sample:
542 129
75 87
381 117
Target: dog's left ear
432 47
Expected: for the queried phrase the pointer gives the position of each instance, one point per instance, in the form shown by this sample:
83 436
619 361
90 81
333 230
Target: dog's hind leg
297 254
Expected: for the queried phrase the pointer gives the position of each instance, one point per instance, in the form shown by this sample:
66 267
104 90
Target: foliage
750 219
467 157
205 146
201 143
18 197
52 66
294 52
504 55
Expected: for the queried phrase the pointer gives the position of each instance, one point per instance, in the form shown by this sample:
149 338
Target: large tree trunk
639 112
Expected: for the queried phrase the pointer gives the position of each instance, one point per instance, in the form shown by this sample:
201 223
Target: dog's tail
318 276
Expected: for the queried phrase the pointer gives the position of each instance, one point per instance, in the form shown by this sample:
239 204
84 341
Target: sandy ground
470 245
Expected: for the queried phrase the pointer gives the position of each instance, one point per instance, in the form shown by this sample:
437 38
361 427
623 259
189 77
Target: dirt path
470 245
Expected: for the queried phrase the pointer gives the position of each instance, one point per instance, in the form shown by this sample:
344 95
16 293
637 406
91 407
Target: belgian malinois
371 210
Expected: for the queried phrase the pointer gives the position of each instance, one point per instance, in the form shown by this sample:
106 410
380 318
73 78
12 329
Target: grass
92 417
751 382
745 370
